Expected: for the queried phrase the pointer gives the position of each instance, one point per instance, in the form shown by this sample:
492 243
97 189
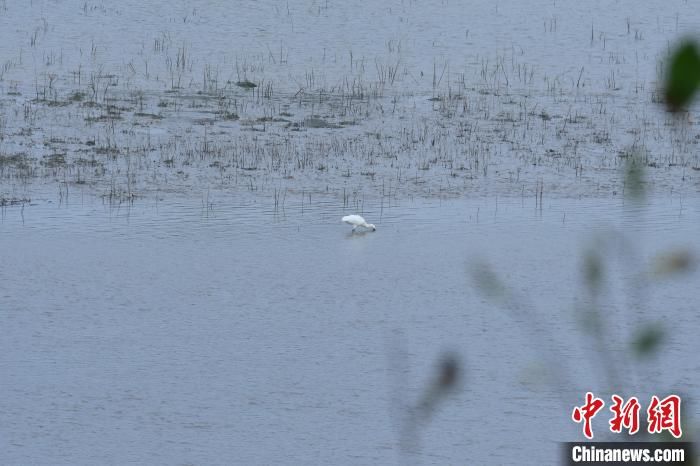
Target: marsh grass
500 123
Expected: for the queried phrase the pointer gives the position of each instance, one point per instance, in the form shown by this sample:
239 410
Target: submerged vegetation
498 126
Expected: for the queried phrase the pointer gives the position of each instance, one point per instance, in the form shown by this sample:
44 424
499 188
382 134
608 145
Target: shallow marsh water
405 98
175 284
174 334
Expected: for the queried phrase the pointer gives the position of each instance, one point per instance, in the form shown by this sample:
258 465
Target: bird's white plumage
357 221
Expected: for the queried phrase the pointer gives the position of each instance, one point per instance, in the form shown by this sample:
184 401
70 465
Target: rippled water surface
176 286
180 334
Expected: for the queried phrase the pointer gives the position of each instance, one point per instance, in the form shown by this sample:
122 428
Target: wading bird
357 221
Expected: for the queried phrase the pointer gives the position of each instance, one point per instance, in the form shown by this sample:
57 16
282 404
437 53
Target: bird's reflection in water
357 234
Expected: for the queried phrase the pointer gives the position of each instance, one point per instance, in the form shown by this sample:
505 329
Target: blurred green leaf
449 372
487 281
537 375
683 76
589 319
593 270
634 178
648 339
446 378
674 262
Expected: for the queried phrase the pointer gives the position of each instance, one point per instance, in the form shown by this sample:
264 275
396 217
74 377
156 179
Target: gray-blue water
176 286
177 334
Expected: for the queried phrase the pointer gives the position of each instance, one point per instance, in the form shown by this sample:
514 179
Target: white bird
357 221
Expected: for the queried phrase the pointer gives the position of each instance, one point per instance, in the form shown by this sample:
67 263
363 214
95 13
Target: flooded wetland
176 284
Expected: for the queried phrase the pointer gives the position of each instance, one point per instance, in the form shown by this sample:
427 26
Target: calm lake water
169 333
176 286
